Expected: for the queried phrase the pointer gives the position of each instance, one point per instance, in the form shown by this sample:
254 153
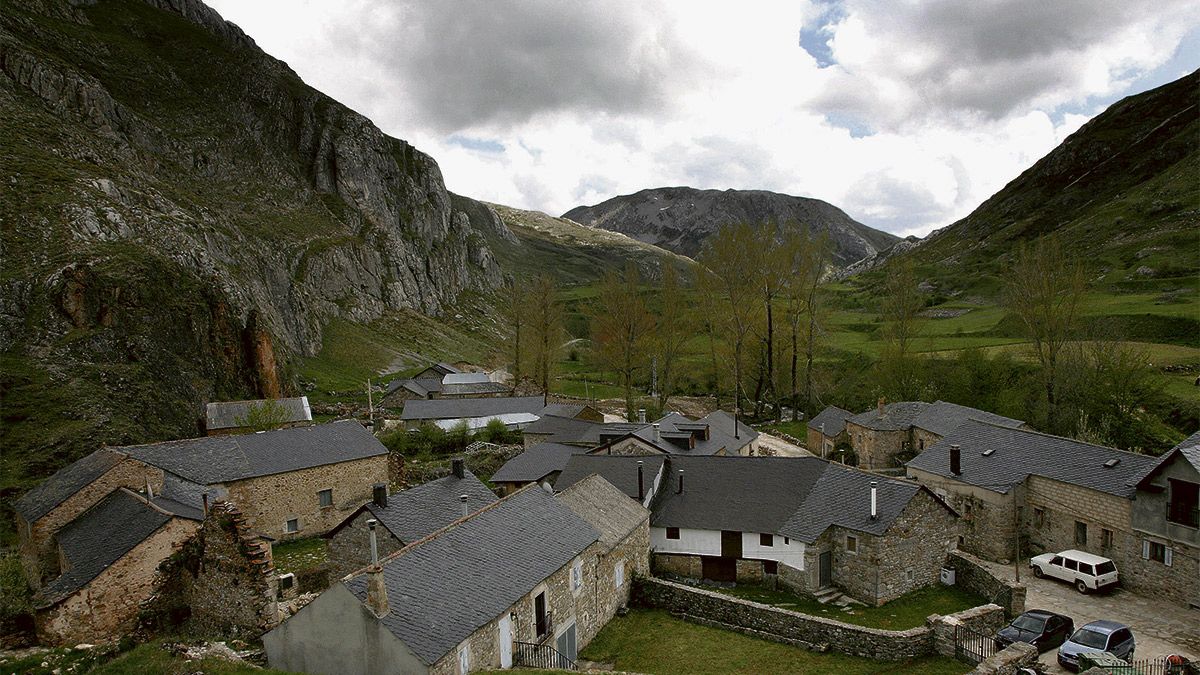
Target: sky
907 114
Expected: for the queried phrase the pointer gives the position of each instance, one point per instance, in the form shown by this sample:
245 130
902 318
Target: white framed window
619 574
1156 551
464 659
577 575
291 525
325 498
851 544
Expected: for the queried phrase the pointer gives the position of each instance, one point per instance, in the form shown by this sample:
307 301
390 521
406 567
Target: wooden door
825 570
731 544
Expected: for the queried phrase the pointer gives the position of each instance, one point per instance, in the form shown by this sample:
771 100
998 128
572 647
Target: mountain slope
681 218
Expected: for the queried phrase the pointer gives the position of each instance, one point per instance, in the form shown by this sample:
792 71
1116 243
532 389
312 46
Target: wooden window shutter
1145 549
1167 556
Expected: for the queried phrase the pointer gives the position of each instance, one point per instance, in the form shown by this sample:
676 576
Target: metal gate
972 646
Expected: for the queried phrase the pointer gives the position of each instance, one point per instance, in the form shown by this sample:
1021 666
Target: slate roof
537 462
427 508
473 388
941 418
422 387
70 479
669 424
568 410
834 419
722 422
98 538
448 585
1019 453
567 430
605 508
1188 448
619 470
223 459
896 416
232 414
453 408
842 497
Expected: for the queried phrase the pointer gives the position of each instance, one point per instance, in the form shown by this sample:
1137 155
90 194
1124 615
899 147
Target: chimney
379 495
149 490
463 499
681 481
457 468
874 500
377 598
204 497
880 406
955 460
656 436
641 415
641 488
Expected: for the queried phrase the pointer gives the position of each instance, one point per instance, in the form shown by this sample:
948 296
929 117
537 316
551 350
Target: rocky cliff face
681 219
182 215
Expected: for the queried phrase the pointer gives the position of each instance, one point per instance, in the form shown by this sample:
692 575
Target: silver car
1097 636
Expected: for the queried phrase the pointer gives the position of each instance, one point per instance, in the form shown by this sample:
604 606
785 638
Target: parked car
1085 571
1097 636
1042 629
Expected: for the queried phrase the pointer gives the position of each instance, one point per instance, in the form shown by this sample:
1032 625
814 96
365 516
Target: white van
1086 571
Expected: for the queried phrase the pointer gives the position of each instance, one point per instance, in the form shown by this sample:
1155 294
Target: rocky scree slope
681 219
180 216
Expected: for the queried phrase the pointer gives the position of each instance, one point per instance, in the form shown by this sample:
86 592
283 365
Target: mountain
681 218
1121 193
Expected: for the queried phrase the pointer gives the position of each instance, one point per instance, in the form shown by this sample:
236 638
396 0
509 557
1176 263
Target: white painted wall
790 553
708 542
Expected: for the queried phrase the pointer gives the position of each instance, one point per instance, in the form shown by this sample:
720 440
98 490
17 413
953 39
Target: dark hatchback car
1042 629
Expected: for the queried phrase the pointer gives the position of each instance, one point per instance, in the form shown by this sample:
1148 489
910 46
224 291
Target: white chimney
377 598
656 436
641 415
463 499
874 500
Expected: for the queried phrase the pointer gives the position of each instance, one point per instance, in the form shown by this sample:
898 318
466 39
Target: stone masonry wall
984 619
972 576
913 549
1062 504
678 564
350 547
108 607
268 502
875 449
988 521
1008 661
39 552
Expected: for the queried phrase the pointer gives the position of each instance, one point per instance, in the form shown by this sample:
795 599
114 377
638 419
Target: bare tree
621 327
513 299
1043 289
674 327
807 257
776 268
545 328
900 310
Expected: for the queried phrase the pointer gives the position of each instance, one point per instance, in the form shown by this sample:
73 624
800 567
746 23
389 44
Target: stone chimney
377 598
657 438
641 415
465 509
874 500
379 495
879 407
956 460
681 481
457 468
641 487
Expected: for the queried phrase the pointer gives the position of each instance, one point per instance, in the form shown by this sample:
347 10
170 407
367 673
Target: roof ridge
1061 438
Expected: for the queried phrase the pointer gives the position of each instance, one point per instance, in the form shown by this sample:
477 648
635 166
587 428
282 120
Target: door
731 544
825 570
539 615
1057 569
505 638
565 644
718 569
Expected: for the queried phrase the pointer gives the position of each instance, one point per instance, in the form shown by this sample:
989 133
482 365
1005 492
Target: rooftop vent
1111 463
989 452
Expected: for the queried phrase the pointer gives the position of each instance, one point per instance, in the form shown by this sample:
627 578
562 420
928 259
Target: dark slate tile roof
619 470
418 387
896 416
448 585
454 408
568 410
98 538
427 508
668 426
232 414
750 494
605 507
536 462
562 429
67 481
178 508
722 423
834 419
1019 453
223 459
1188 449
842 497
941 418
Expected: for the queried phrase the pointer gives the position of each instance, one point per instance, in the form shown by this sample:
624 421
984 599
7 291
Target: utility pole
370 405
1016 539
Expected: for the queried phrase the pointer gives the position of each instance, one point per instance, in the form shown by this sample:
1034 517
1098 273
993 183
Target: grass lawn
902 613
652 641
299 554
147 658
793 429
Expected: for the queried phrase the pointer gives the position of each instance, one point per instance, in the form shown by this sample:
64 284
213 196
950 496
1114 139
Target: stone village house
286 483
1016 487
813 526
441 380
532 568
231 417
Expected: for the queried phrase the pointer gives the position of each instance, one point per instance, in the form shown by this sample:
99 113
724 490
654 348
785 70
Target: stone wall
1061 505
984 619
782 625
350 546
39 552
876 449
912 551
972 576
678 564
989 524
108 606
268 502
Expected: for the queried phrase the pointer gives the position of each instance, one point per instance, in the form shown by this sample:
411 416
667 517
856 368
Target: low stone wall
1009 660
971 575
984 619
781 625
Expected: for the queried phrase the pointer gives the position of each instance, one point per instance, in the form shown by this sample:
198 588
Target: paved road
781 447
1159 628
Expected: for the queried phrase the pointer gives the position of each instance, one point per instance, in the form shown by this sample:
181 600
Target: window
851 544
577 575
1072 565
1057 560
787 541
619 574
672 533
292 525
464 660
325 498
1106 538
1087 569
1039 517
1184 505
1080 533
770 567
1156 551
766 539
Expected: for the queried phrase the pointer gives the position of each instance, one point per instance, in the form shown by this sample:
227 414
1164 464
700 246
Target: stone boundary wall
1008 661
984 619
973 576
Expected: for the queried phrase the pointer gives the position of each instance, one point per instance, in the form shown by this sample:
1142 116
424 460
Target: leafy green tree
622 327
264 416
674 327
900 310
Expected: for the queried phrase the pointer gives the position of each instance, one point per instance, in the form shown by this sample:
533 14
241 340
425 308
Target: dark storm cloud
468 63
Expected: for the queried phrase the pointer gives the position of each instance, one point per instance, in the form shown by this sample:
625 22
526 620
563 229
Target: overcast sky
906 114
